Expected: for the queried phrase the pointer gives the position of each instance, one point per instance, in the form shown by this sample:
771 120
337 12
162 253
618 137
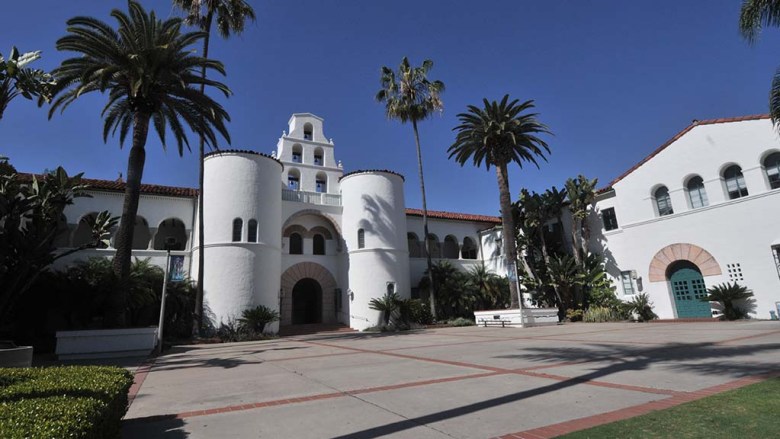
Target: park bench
496 320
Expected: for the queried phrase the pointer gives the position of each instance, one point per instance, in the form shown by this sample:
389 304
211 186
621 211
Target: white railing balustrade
311 197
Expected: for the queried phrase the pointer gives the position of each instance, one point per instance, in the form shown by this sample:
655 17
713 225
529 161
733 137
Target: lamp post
169 243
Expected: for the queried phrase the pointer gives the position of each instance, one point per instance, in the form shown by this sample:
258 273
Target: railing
311 197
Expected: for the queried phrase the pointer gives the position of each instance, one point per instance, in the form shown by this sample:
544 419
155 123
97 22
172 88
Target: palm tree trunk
426 247
508 227
198 315
117 302
575 242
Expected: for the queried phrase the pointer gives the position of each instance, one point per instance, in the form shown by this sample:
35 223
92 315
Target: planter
106 343
511 317
16 356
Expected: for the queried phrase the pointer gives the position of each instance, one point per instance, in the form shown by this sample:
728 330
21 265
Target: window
319 244
663 202
469 250
296 244
609 219
735 272
628 285
772 169
318 157
697 194
361 238
238 225
414 245
252 232
390 288
434 249
321 183
451 247
297 154
307 132
294 180
735 182
776 255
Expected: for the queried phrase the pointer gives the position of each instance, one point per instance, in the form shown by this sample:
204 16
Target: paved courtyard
445 383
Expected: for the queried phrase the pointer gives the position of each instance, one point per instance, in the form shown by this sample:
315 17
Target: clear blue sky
612 79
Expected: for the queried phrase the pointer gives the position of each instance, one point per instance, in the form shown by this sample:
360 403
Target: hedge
63 402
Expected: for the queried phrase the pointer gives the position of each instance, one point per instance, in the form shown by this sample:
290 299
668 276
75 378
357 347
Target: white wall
733 231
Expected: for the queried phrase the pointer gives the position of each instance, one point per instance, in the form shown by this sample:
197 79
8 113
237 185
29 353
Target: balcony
311 197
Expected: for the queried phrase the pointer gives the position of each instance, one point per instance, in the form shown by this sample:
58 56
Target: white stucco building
293 232
700 210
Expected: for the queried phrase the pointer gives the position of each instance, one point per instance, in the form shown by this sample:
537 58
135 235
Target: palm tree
409 96
727 294
498 134
387 305
151 75
489 287
18 79
755 15
231 17
581 193
555 201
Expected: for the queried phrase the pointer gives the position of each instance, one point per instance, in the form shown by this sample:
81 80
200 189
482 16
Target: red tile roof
455 216
677 136
119 186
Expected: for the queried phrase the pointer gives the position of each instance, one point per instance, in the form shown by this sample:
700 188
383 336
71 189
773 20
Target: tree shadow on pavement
608 360
168 426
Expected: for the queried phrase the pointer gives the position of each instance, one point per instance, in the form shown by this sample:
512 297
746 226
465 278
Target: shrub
255 319
72 401
642 307
414 311
460 321
574 315
232 331
387 304
598 314
727 294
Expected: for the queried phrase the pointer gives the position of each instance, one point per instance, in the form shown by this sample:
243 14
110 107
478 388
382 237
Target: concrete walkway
445 383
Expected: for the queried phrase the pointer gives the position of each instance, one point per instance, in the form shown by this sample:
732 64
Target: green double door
688 288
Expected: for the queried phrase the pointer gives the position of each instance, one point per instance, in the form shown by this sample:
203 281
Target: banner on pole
177 273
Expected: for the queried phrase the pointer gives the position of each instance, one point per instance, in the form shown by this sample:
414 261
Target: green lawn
750 412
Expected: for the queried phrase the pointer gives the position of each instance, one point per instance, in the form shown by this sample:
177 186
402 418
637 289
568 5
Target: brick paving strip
675 397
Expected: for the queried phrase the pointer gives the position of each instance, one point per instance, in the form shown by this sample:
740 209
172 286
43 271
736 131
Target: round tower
242 215
374 228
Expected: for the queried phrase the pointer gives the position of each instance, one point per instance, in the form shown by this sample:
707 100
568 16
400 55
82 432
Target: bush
255 319
58 402
416 311
727 294
233 330
598 314
642 307
574 315
460 321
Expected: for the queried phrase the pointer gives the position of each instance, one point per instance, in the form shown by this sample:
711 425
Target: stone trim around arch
682 252
315 271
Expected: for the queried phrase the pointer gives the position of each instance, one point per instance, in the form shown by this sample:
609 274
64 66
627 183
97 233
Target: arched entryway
296 283
688 288
306 302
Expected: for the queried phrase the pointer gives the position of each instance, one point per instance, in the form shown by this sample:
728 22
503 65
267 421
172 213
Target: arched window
735 182
434 249
294 179
772 169
141 234
697 194
307 131
414 245
319 244
83 233
252 232
451 249
296 244
238 225
321 182
62 238
297 153
469 250
361 238
318 157
170 233
663 202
